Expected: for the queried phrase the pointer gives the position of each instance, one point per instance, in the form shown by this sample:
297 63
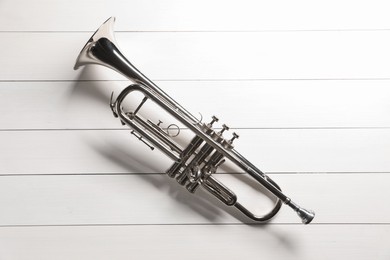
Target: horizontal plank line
154 173
191 224
207 31
199 80
238 128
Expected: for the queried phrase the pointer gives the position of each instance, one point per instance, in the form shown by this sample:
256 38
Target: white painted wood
174 15
313 76
268 104
277 242
116 151
205 56
157 199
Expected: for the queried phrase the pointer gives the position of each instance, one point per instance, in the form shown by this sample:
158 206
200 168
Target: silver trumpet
195 164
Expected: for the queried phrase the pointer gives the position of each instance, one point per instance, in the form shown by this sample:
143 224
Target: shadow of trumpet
202 204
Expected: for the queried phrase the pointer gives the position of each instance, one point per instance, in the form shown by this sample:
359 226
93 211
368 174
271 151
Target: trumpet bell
105 31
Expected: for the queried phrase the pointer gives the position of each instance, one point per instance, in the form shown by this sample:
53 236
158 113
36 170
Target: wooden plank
68 193
175 15
206 56
357 242
158 200
116 151
268 104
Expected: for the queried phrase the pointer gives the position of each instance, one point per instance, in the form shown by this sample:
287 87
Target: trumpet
194 165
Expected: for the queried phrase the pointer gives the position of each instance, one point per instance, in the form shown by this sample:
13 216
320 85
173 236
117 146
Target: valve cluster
217 136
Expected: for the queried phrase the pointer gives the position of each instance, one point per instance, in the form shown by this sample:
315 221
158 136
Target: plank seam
199 80
238 128
193 224
208 31
161 173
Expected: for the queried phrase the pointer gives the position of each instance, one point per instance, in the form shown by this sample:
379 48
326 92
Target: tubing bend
306 215
271 186
264 218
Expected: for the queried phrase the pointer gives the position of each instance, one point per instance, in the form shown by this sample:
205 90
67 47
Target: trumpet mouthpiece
306 215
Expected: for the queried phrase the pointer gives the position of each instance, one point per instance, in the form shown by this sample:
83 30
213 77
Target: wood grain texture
268 104
174 242
158 200
116 151
201 15
206 55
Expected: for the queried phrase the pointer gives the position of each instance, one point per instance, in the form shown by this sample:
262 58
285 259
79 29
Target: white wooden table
305 83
